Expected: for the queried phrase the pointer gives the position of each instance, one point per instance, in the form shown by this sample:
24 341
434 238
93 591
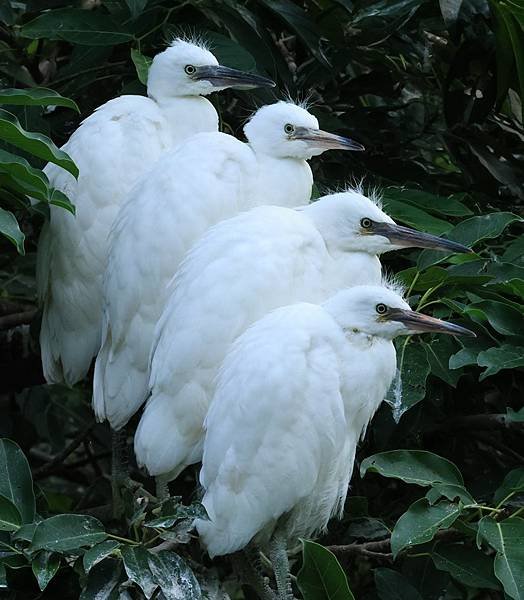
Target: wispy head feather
177 35
391 282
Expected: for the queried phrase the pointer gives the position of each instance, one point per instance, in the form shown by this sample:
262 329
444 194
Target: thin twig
15 319
61 456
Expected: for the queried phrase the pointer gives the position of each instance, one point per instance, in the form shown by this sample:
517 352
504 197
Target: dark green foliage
434 91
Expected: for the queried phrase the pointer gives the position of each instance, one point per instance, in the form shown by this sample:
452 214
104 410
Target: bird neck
187 115
283 181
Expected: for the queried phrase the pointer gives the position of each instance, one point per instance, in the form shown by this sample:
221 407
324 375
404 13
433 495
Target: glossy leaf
36 97
413 466
420 523
68 532
392 585
102 581
10 519
321 577
136 6
467 565
173 576
451 492
98 552
507 538
35 143
172 511
137 568
45 567
88 27
16 482
11 230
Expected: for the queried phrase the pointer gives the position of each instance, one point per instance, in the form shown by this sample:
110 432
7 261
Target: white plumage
293 396
208 178
111 148
240 270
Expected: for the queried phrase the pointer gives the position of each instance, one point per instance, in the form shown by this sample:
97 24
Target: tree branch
15 319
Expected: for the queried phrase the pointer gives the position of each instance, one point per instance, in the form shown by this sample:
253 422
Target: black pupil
381 308
289 128
366 223
190 69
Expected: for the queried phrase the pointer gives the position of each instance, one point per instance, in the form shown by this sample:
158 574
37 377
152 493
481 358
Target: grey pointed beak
416 322
224 77
406 237
323 140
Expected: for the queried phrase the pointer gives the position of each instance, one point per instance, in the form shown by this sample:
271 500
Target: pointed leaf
507 538
35 180
102 581
321 576
420 523
45 566
11 230
68 532
142 64
35 143
451 492
36 97
513 484
16 482
88 27
175 578
10 519
137 568
498 358
97 553
172 511
413 466
467 565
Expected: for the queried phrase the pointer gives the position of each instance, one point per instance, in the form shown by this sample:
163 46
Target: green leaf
35 143
415 217
31 181
85 27
174 577
413 466
299 21
136 7
517 416
438 354
68 532
465 564
504 54
469 232
230 53
321 577
507 538
441 205
392 585
16 482
172 511
451 492
10 518
409 385
11 230
97 553
420 523
498 358
137 568
36 97
26 532
102 581
58 198
45 567
142 64
502 317
517 42
513 483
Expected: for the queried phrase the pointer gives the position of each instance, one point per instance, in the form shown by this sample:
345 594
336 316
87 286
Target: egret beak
224 77
406 237
417 323
322 140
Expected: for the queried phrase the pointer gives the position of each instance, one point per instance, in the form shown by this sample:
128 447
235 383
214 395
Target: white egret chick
112 148
240 270
293 397
208 178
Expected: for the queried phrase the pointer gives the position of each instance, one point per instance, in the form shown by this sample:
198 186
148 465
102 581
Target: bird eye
381 309
190 69
366 223
289 129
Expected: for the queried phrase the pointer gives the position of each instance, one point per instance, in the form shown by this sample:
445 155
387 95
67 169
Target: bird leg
119 470
162 487
245 567
279 559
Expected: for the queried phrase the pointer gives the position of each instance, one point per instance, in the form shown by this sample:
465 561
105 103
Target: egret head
188 69
285 130
382 312
352 222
